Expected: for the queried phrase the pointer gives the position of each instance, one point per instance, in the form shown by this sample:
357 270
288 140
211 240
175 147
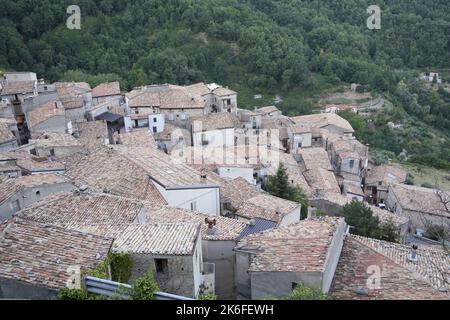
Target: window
155 129
52 152
161 265
193 206
300 144
294 285
136 111
154 119
38 193
352 164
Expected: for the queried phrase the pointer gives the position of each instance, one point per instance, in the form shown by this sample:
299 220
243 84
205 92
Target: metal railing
110 289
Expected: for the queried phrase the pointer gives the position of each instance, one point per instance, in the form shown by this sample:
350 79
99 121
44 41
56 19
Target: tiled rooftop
237 191
106 89
165 97
54 139
92 134
400 278
31 163
40 255
322 180
386 174
267 207
17 87
167 239
350 148
215 121
137 138
45 112
71 93
100 214
322 120
315 158
267 110
106 170
200 89
293 169
300 247
11 186
223 92
226 229
386 216
5 133
420 199
160 167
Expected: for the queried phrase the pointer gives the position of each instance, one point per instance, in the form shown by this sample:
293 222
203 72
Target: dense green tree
280 186
361 219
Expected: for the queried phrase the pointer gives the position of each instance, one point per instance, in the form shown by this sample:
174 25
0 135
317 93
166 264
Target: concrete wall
156 120
100 100
220 102
345 166
179 278
76 114
215 138
8 146
279 284
334 252
222 255
54 124
242 276
59 151
291 217
15 289
305 139
29 196
235 172
206 200
330 208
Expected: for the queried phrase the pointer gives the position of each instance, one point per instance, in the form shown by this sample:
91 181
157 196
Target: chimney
413 256
211 231
203 175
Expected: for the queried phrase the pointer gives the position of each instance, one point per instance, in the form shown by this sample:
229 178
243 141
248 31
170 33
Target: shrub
74 294
427 185
409 179
121 266
303 292
208 296
144 288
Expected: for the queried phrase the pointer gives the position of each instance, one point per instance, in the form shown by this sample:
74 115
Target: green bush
74 294
303 292
144 288
121 266
208 296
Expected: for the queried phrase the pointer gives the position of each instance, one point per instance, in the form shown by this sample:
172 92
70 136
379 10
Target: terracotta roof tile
40 254
159 239
400 278
300 247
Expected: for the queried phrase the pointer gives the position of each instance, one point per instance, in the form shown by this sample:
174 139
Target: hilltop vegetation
270 43
297 48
